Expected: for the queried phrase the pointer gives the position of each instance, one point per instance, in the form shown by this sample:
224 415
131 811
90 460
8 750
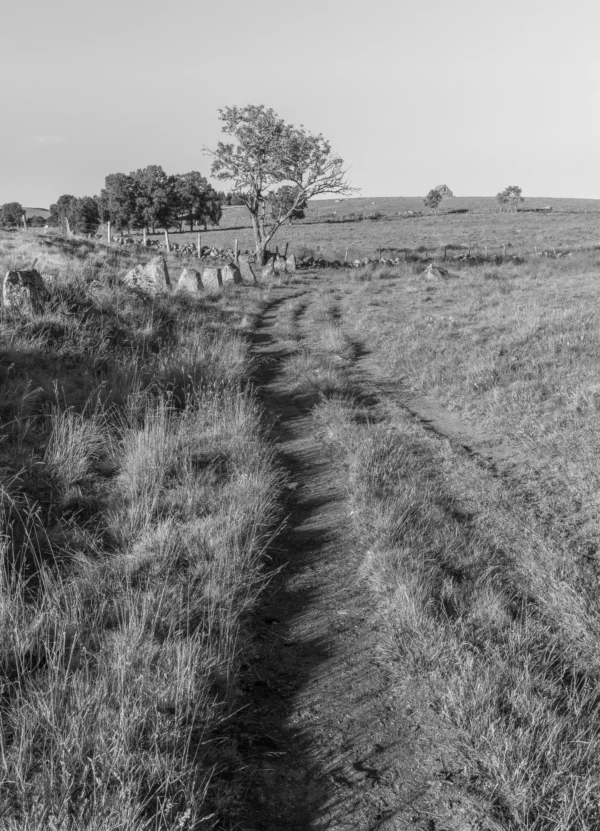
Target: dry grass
488 584
137 496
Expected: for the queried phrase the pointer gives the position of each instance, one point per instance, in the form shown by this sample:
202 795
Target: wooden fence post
24 218
167 243
199 248
68 226
145 237
108 231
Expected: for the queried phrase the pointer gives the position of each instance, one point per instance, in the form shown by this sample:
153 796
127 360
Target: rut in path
336 741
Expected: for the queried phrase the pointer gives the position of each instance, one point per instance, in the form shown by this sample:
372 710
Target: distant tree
433 200
196 199
62 210
85 216
280 201
235 199
267 155
117 201
155 198
11 214
510 196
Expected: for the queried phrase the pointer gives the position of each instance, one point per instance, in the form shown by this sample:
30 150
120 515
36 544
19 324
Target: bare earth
340 736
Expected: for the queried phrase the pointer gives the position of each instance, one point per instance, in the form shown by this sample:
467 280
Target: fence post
199 248
108 231
236 253
145 238
167 243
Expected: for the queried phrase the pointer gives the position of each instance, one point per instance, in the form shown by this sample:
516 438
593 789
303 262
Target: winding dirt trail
335 740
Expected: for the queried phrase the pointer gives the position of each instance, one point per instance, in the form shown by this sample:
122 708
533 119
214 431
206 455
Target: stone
279 264
150 279
291 262
212 279
269 269
25 292
190 281
230 273
437 272
246 270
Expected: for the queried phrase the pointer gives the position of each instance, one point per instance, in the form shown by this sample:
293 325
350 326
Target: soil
339 736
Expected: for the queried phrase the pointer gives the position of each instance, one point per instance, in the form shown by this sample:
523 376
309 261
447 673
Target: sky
475 94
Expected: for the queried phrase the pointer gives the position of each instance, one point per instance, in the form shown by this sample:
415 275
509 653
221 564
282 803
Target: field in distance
571 224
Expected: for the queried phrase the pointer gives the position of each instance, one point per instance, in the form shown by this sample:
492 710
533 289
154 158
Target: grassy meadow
570 225
137 494
489 582
139 491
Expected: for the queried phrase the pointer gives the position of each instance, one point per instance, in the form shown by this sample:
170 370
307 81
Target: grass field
571 224
139 491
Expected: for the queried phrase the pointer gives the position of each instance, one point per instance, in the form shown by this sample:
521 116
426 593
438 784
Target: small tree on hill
433 200
510 196
11 213
267 155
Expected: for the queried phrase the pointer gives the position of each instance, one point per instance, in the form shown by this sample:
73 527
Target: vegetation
137 494
11 214
433 200
276 165
510 196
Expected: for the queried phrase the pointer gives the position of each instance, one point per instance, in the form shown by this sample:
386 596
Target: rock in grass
291 262
150 279
212 279
247 272
230 273
437 272
269 269
190 281
25 292
279 264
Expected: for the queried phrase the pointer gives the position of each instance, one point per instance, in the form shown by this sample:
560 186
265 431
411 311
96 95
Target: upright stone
291 262
269 269
150 279
279 264
212 279
246 270
25 292
230 273
190 281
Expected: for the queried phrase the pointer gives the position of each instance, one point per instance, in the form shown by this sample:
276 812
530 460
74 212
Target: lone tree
510 196
433 199
269 155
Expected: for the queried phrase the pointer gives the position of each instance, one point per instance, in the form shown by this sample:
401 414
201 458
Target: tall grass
137 496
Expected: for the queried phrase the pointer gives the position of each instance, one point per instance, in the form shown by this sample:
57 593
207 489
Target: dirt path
334 739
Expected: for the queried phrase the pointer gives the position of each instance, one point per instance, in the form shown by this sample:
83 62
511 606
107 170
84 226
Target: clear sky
472 93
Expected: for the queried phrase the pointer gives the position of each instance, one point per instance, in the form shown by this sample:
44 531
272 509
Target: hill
43 212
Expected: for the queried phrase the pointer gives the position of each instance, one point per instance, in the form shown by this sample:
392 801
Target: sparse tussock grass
488 584
487 614
137 496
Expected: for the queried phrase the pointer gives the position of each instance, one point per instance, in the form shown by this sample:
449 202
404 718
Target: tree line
275 168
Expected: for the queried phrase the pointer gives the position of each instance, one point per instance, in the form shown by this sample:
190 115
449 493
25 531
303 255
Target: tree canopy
510 196
268 154
433 199
149 197
11 213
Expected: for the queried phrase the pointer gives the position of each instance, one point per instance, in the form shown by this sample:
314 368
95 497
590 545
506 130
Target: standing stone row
153 278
